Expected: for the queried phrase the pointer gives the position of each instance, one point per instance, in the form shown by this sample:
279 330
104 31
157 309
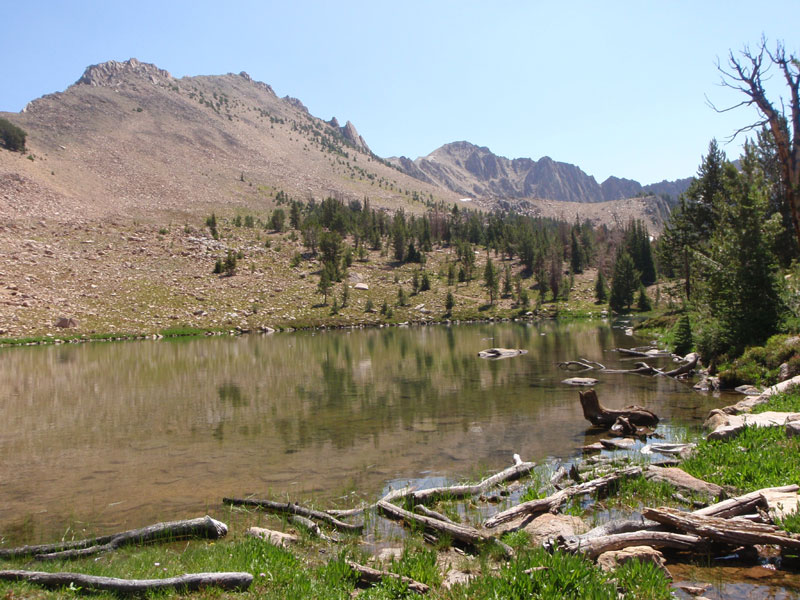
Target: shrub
13 137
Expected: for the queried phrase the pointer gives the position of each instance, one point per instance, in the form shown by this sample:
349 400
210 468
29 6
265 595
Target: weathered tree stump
600 416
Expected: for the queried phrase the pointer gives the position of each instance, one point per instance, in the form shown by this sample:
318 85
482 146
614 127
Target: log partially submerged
290 508
189 582
455 492
600 416
552 502
460 533
203 527
735 532
370 575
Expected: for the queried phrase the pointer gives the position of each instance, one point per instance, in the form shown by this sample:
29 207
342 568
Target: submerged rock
497 353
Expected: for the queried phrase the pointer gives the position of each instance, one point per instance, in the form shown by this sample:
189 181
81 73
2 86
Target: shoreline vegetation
446 547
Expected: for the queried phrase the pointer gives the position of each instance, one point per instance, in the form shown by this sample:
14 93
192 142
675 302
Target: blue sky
618 88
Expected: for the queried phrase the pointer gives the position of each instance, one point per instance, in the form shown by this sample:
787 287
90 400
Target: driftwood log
594 547
735 532
290 508
425 511
460 533
190 582
370 575
455 492
552 502
600 416
203 527
640 368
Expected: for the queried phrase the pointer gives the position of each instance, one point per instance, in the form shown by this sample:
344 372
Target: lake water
120 435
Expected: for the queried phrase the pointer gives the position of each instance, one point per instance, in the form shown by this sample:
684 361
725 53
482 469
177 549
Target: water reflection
136 432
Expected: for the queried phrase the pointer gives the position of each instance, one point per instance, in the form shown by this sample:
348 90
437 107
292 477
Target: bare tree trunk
190 582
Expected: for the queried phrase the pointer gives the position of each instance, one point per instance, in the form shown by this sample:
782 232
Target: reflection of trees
303 389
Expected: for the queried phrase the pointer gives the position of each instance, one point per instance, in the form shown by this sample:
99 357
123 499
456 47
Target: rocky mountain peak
260 84
113 73
351 135
296 103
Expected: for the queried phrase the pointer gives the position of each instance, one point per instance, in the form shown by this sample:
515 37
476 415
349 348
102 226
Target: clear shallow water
123 435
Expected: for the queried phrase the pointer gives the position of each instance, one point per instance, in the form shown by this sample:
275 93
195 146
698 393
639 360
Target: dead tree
746 73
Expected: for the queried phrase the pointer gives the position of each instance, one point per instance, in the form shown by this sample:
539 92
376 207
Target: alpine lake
113 436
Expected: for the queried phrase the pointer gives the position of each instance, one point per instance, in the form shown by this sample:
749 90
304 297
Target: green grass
635 492
564 576
789 402
758 457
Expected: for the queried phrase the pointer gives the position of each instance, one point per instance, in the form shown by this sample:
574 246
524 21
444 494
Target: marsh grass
636 492
563 576
758 457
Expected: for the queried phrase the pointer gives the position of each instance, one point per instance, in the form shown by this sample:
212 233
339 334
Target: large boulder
548 526
608 561
66 322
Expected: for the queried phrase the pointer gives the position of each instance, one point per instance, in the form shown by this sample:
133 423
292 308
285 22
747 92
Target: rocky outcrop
113 73
296 103
350 133
259 84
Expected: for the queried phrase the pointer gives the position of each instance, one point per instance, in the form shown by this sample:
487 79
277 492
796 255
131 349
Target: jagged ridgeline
128 138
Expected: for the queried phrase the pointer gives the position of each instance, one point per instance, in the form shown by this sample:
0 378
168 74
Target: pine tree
643 303
600 288
682 336
577 258
744 291
325 284
624 283
449 302
491 280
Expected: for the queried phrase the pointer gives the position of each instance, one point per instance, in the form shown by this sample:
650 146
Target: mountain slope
128 138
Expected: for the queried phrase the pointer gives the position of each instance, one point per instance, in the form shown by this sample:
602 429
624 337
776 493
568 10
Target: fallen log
682 480
312 528
689 366
460 533
552 502
389 497
735 532
370 575
276 538
189 582
424 510
746 503
203 527
600 416
290 508
593 548
581 366
455 492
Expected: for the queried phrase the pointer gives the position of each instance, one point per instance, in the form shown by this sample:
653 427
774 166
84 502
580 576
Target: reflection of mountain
296 414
